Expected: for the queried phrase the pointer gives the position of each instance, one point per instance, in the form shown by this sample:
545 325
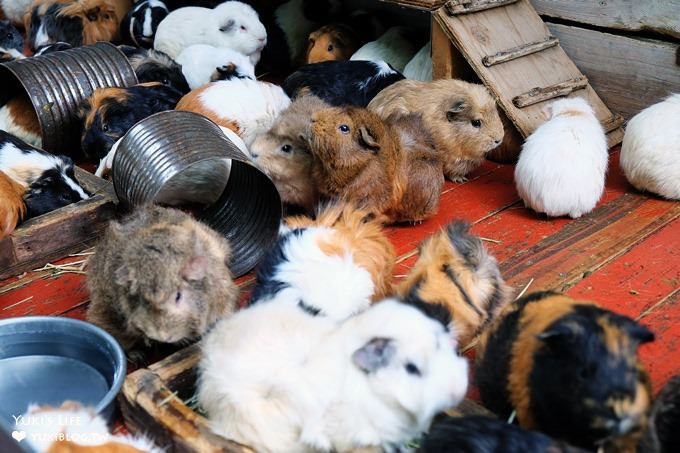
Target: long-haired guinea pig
283 154
230 24
138 25
12 206
159 275
569 369
461 116
77 22
650 155
203 63
344 247
561 167
276 379
11 42
19 118
359 158
247 107
108 113
482 434
48 179
455 270
152 65
75 428
335 41
396 46
341 82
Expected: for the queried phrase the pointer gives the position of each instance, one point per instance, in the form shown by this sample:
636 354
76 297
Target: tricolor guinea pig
151 65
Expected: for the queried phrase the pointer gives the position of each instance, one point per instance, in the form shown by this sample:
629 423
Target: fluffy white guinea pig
231 24
203 63
562 165
650 153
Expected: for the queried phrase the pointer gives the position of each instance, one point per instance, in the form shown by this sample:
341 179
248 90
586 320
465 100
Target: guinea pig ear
557 335
455 109
125 276
469 246
374 355
228 26
639 332
367 139
195 269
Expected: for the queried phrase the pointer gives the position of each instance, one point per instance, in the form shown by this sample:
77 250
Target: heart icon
19 435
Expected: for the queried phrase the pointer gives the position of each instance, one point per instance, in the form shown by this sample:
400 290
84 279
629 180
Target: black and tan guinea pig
159 275
110 112
77 22
151 65
569 369
11 42
482 434
456 271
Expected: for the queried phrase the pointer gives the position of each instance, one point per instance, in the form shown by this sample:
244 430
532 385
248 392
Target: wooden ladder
512 51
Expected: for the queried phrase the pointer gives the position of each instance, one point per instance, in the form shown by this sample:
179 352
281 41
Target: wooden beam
454 7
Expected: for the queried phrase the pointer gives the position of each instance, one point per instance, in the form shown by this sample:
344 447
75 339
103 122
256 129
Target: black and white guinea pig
569 369
11 42
139 24
341 82
152 65
110 112
49 178
53 47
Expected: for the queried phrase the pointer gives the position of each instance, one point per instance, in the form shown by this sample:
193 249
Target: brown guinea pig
12 206
159 275
462 117
455 270
569 369
335 41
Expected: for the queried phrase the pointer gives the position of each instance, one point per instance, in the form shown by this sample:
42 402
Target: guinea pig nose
498 141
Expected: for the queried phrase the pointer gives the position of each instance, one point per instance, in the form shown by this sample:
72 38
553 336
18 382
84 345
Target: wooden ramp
514 54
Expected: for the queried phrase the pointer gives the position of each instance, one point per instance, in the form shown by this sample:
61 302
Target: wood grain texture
419 4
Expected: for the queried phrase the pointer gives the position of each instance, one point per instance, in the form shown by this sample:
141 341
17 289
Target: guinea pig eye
330 48
165 82
105 127
286 148
9 36
178 297
243 28
344 128
476 123
412 369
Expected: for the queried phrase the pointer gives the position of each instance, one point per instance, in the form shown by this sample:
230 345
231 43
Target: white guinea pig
561 168
276 380
203 63
650 153
231 24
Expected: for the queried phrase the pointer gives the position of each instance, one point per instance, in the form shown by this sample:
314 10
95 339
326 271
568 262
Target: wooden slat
629 74
659 16
546 93
428 5
519 51
454 7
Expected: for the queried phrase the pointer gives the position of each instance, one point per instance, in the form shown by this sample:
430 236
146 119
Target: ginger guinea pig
12 206
335 41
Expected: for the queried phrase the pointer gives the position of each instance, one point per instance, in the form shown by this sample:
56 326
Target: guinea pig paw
137 357
459 179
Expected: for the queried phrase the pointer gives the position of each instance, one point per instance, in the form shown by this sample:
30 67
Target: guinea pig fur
12 206
152 65
420 66
662 434
18 117
48 179
600 395
15 10
341 82
54 47
461 116
247 107
268 377
203 63
108 113
283 154
650 149
482 434
159 275
11 42
77 22
562 165
230 24
395 46
138 26
455 270
335 41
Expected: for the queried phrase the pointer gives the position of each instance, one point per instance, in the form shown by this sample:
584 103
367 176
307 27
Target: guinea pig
139 24
48 179
569 369
203 63
482 434
77 22
456 271
395 46
230 24
152 65
562 165
268 377
53 47
159 275
649 152
335 41
662 434
341 82
12 206
420 66
283 154
11 42
247 107
108 113
461 116
18 117
75 428
15 10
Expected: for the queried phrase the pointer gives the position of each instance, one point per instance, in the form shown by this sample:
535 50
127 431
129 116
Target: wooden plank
428 5
629 74
472 6
659 16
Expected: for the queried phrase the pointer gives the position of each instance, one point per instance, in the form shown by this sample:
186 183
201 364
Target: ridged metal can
56 84
182 158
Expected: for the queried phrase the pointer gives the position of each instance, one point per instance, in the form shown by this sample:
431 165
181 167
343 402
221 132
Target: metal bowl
48 360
